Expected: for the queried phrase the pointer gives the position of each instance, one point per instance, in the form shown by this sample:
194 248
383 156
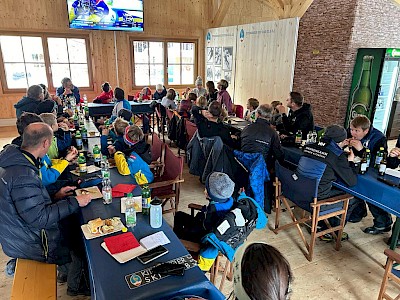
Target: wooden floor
355 272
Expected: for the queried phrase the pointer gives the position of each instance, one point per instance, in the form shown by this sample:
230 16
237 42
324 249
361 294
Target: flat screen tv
106 14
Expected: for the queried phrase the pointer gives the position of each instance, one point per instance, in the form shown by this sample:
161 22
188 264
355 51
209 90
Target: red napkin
121 189
121 243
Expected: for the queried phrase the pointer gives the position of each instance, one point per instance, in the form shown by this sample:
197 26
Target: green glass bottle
96 156
362 96
379 157
86 113
78 140
146 199
368 156
84 135
82 164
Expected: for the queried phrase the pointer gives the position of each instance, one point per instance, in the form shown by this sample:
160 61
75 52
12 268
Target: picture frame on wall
227 58
228 76
218 56
210 73
210 55
217 74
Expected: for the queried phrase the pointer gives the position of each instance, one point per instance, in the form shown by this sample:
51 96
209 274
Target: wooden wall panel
265 60
163 19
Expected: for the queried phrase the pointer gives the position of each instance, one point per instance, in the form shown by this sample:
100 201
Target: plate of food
99 227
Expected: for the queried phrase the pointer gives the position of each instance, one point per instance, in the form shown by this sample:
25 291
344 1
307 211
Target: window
26 61
155 61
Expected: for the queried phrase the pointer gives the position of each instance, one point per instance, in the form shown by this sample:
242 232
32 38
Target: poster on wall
218 56
217 74
363 94
228 76
227 59
210 73
210 55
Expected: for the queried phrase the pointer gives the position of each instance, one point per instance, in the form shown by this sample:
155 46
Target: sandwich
95 225
107 229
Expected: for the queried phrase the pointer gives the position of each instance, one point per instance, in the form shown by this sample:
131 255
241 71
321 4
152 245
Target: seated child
169 100
106 96
144 94
160 92
252 105
136 162
117 136
224 224
62 137
186 105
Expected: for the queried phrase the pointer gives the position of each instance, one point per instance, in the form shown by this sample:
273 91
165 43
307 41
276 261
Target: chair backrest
169 113
299 189
173 165
239 111
156 147
191 129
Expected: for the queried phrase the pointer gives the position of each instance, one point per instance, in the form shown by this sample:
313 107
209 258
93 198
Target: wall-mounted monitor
124 15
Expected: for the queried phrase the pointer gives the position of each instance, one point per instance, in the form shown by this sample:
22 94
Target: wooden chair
34 280
238 110
216 268
167 187
157 149
161 120
191 129
302 192
390 273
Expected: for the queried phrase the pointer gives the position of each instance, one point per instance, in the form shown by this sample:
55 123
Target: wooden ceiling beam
300 8
221 13
276 10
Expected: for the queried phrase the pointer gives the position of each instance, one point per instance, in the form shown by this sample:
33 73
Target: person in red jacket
144 94
106 96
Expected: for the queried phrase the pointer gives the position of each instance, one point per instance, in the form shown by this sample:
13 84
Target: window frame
165 42
44 36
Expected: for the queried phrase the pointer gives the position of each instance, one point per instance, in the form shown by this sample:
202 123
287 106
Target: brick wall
330 33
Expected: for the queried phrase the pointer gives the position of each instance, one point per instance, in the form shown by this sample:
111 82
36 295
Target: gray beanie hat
336 133
219 186
199 81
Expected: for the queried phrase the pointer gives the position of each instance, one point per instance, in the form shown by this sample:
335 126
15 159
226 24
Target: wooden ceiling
280 9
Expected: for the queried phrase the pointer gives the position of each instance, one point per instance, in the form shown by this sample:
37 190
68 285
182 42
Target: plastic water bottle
155 213
130 211
310 137
85 100
106 191
315 136
105 168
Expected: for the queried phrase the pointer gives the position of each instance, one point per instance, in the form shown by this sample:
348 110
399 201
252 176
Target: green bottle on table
78 140
84 136
146 199
82 164
96 156
379 157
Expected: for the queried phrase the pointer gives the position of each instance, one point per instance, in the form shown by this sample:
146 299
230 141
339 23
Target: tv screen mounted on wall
106 14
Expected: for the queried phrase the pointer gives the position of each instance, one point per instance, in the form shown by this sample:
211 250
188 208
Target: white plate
126 256
88 235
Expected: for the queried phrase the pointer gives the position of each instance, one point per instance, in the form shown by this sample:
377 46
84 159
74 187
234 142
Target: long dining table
110 279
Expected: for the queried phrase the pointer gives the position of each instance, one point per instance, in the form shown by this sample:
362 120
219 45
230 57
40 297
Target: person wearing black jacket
260 137
209 124
328 163
393 159
31 101
365 136
300 116
30 220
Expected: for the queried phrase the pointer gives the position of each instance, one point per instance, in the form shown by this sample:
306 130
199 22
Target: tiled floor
355 272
